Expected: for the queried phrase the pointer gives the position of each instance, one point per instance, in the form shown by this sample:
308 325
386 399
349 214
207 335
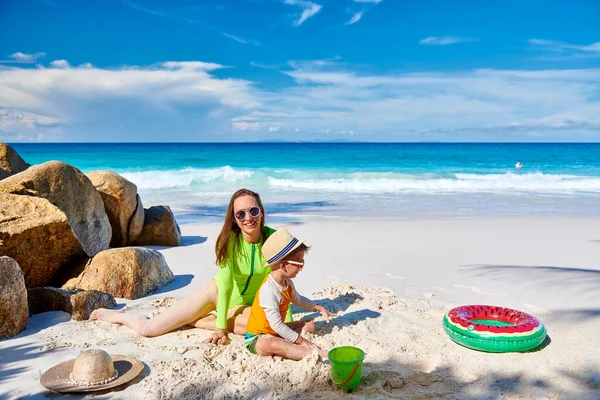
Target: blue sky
248 70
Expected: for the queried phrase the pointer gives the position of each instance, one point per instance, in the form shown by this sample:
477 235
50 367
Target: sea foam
224 178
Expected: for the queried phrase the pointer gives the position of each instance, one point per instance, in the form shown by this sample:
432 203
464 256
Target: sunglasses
299 264
253 211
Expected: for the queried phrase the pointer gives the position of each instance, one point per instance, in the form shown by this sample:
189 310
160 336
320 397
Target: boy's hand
324 312
303 342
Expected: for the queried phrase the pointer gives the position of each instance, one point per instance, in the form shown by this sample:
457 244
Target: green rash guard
238 280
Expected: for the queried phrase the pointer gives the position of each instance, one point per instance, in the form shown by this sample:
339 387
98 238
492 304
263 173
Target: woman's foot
106 315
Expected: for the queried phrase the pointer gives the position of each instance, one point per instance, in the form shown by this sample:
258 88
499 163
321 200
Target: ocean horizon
349 180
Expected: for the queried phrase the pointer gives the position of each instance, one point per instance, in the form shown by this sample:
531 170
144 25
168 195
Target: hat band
102 382
283 251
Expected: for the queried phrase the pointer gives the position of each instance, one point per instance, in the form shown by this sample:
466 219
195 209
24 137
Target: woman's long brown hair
230 227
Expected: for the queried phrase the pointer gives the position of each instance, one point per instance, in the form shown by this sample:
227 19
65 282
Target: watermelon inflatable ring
493 329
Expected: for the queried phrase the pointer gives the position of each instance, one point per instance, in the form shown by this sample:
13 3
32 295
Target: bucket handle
351 375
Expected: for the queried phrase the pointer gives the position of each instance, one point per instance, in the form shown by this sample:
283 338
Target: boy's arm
299 300
307 304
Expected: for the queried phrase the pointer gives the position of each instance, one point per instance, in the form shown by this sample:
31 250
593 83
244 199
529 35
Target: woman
241 271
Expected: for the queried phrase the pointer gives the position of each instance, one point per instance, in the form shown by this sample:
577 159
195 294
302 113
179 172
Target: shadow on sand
16 354
179 282
340 321
37 322
393 379
185 241
562 278
192 240
336 305
576 281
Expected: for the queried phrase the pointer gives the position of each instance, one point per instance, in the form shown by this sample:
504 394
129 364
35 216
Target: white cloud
237 39
11 119
190 66
19 126
23 58
263 66
97 97
355 18
245 126
443 40
357 15
60 64
400 104
240 40
309 9
562 47
175 98
314 63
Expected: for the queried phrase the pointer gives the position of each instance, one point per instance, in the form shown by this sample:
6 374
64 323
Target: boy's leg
268 345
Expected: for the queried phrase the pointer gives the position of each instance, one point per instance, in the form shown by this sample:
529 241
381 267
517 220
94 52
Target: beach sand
390 283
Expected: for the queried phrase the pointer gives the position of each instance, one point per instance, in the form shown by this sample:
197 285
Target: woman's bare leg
189 309
237 317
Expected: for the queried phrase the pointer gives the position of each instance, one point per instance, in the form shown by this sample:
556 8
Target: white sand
390 283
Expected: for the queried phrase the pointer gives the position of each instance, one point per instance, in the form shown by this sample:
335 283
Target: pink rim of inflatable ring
520 322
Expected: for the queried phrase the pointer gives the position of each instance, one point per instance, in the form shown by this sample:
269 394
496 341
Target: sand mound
408 356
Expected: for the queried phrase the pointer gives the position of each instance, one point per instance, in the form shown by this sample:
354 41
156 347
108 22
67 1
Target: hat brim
57 377
267 265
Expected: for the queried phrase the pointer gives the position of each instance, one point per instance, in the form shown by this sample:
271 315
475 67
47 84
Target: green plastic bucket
346 367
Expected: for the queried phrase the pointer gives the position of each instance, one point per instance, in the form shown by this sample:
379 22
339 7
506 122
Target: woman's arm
224 282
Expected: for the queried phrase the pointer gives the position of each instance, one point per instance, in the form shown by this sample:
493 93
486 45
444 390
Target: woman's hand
220 336
323 312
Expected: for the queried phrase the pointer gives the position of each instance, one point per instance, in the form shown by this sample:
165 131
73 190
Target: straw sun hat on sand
92 370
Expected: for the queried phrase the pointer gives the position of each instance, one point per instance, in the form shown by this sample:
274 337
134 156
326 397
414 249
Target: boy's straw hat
92 370
278 245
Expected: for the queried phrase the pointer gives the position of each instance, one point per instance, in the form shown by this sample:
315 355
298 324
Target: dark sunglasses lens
241 215
254 211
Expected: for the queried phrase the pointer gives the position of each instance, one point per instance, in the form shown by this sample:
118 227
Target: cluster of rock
70 242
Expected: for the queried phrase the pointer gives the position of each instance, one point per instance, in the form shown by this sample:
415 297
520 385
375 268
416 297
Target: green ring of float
495 344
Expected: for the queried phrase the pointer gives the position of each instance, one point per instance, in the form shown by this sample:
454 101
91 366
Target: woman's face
249 225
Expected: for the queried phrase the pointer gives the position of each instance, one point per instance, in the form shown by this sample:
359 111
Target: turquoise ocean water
334 181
